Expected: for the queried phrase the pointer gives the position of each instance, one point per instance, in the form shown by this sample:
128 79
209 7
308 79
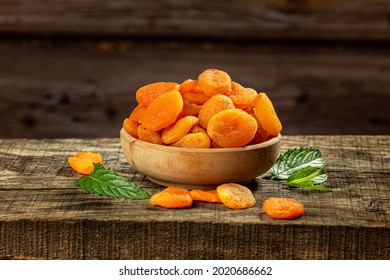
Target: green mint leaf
294 160
104 181
309 173
308 177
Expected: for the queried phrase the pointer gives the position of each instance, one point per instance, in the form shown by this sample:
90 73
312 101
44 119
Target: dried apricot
131 127
266 115
190 86
195 97
214 145
138 112
283 208
214 105
196 129
260 137
193 140
250 110
232 128
242 97
146 94
163 111
189 109
147 135
191 91
172 198
82 162
214 81
177 130
236 196
206 196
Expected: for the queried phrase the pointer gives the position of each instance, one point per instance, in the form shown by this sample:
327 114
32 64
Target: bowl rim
130 138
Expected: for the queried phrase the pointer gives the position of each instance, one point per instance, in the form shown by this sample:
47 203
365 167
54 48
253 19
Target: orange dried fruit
147 135
196 129
163 111
260 136
214 105
283 208
266 115
232 128
177 130
214 81
138 112
206 196
131 127
189 109
190 86
214 145
242 97
172 198
82 162
195 97
193 140
236 196
146 94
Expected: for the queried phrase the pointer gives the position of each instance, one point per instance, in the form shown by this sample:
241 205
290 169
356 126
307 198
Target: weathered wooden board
52 89
44 215
240 19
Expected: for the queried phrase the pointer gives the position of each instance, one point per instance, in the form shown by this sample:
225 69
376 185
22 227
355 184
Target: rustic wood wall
70 68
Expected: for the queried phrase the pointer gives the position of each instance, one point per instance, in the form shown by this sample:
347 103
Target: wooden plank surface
68 88
358 20
44 215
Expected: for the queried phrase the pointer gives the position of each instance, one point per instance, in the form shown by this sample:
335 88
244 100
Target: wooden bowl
199 168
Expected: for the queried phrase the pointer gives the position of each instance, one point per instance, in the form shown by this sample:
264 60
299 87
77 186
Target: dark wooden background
70 68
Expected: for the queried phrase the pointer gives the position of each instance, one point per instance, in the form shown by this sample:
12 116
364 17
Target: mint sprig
309 177
301 167
294 160
105 182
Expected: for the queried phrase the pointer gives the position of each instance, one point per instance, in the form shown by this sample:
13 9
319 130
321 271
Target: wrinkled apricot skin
197 98
82 162
193 140
147 135
190 85
232 128
236 196
261 135
131 127
266 115
138 112
179 129
283 208
196 129
146 94
214 105
205 196
163 111
213 81
172 198
242 97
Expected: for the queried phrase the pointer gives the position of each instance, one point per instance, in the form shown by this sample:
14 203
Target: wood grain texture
86 89
44 215
272 19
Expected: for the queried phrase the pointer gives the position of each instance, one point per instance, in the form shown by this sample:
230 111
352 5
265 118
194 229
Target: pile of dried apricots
211 111
232 195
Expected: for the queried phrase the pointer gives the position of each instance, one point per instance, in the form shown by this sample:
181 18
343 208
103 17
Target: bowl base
188 186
